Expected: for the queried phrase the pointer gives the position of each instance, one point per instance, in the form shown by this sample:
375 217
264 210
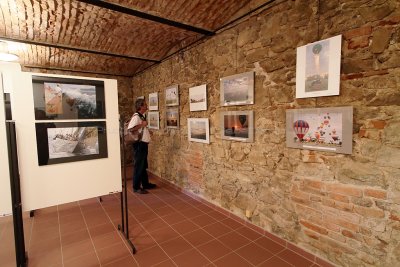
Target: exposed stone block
358 42
369 212
314 227
362 31
375 193
344 190
380 40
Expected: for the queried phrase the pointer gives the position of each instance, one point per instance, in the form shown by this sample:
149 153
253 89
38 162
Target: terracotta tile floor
167 227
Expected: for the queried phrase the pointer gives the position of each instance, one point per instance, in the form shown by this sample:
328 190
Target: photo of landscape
237 89
198 130
172 117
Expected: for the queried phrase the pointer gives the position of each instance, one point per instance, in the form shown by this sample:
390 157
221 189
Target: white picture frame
140 97
318 68
237 89
199 130
237 125
321 129
153 119
172 96
153 101
198 98
172 118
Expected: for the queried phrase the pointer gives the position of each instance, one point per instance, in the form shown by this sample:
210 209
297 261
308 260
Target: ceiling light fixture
5 55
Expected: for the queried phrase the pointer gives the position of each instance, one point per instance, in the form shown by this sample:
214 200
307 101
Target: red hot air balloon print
300 128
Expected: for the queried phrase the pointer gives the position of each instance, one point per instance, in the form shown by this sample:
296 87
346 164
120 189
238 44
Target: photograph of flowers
323 129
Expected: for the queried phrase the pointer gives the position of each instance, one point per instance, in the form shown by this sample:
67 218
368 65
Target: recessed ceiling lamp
5 55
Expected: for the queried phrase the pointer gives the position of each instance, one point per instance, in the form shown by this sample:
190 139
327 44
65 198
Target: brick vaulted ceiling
115 37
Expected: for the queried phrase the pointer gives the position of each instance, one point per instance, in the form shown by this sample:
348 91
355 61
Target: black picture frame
68 99
73 141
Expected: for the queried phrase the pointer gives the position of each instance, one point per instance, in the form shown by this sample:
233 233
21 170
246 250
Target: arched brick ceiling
80 35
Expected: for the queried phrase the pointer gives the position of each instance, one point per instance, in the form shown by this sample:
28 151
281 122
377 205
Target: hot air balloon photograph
237 125
318 68
172 117
324 129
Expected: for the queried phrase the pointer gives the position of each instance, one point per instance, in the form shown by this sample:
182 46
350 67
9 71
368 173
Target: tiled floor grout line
202 228
179 235
120 234
30 235
140 223
90 236
214 238
59 234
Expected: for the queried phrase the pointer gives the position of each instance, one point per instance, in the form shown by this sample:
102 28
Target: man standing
140 149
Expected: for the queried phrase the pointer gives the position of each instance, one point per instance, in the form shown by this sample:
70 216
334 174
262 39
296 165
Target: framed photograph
172 96
318 68
237 125
65 99
153 118
153 101
199 130
323 129
172 117
237 89
61 142
198 98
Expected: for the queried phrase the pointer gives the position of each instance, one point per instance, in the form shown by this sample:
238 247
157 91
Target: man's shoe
140 191
149 186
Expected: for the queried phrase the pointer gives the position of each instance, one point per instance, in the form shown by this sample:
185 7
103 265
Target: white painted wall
44 186
8 73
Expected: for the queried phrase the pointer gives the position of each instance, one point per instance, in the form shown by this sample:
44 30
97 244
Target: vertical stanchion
124 228
16 195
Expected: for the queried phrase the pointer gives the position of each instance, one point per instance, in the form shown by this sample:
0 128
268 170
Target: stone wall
345 208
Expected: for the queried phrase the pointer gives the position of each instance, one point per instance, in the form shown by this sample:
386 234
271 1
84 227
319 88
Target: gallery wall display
64 99
323 129
237 125
60 142
172 96
153 101
172 117
318 68
198 98
237 89
199 130
153 117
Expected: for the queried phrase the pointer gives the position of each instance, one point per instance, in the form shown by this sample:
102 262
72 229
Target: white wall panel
44 186
9 72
